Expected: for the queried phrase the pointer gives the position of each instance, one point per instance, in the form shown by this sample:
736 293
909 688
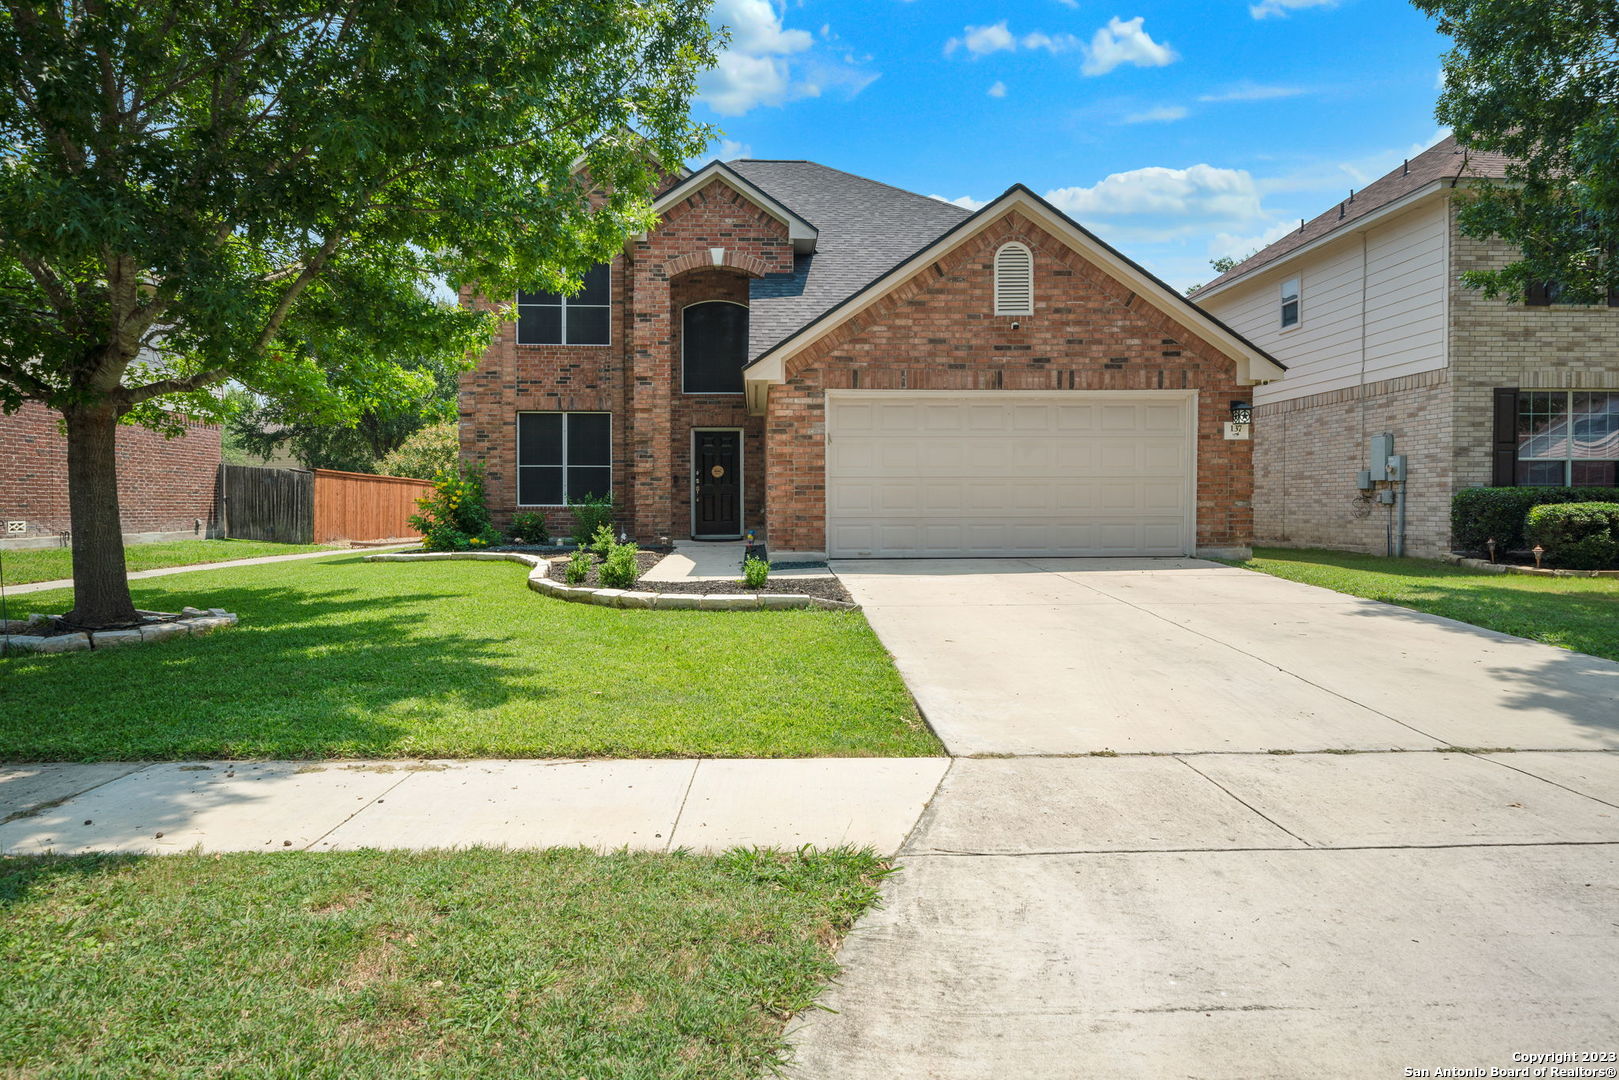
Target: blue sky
1177 130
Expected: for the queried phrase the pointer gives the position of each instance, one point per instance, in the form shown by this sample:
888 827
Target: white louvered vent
1014 280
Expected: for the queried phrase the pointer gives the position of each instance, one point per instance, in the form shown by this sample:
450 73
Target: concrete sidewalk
164 571
658 805
714 560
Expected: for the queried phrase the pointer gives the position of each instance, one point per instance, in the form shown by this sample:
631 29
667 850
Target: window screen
563 457
547 318
714 344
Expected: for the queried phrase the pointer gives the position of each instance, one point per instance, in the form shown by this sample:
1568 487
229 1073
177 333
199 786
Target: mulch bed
827 588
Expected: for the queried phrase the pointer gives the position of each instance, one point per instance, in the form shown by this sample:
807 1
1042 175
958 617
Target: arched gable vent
1014 280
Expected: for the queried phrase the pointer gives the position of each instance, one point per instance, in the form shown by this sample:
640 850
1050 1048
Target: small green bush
432 450
578 567
1578 536
589 515
1478 515
530 528
620 570
603 542
754 572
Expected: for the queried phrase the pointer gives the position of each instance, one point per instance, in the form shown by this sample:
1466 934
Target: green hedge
1477 514
1579 536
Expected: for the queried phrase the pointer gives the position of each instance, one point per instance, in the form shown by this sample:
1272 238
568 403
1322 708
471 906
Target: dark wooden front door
717 490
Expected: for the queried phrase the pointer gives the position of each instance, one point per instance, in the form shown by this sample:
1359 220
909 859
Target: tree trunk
100 586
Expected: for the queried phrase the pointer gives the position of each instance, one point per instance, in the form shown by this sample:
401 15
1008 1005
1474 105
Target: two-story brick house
856 370
1366 307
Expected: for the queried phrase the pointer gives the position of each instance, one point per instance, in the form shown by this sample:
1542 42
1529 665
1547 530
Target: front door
717 486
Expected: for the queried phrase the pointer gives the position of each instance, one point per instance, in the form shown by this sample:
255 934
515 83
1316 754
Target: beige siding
1372 307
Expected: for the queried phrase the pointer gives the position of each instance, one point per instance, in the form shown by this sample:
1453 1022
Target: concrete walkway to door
1078 656
1276 877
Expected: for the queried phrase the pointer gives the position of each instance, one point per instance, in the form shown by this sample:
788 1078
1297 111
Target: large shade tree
1538 80
265 193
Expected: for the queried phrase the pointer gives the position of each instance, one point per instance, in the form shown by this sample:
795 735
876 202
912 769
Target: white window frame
1294 296
1568 459
711 393
563 464
517 332
1027 307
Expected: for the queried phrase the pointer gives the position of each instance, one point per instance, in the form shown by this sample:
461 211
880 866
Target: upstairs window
548 318
1290 302
1547 293
1014 280
713 347
563 457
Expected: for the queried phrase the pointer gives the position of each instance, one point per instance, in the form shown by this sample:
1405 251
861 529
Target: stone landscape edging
190 622
1457 559
539 579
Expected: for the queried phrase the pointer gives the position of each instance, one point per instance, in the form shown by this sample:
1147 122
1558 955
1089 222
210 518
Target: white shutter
1014 280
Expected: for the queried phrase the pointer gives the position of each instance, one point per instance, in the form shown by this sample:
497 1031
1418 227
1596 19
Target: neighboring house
857 370
165 486
1366 308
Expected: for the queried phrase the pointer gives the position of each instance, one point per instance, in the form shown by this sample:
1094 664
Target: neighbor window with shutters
1014 280
1557 438
563 457
1290 302
548 318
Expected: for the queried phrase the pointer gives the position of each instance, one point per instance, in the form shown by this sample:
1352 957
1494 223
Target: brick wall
164 485
1493 343
1308 450
937 331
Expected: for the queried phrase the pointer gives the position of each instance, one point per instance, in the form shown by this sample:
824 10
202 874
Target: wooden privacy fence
292 506
360 506
266 504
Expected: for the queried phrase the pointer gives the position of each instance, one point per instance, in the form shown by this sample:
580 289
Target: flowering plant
453 515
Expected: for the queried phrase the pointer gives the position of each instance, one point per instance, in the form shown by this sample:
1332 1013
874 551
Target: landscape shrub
578 568
589 515
603 542
453 516
1480 514
1578 536
530 528
432 450
755 571
620 570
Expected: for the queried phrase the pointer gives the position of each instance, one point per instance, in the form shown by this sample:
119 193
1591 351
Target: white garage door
919 474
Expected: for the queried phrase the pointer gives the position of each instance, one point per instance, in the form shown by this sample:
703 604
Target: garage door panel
985 475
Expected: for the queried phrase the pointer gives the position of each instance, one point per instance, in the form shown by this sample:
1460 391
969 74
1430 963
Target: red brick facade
935 331
164 485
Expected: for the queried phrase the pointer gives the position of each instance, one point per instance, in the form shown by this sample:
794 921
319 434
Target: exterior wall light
1242 412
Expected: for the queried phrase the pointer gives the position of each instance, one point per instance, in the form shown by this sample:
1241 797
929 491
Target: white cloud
1158 203
730 150
1125 42
1240 247
1162 114
1280 8
966 202
983 40
1247 91
767 63
1061 43
997 89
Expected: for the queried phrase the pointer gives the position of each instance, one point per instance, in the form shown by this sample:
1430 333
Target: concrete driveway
1233 895
1075 656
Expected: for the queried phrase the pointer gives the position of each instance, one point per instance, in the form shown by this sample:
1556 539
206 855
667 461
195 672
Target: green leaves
1539 81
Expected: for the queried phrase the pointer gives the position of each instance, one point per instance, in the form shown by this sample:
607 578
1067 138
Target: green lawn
23 565
1575 613
559 964
336 657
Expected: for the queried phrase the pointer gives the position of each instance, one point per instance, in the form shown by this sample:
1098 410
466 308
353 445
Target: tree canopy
1538 80
269 193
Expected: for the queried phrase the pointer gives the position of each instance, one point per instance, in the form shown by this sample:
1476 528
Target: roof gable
802 233
1253 363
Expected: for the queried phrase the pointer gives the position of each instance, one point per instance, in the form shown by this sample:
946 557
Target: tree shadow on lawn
307 673
21 876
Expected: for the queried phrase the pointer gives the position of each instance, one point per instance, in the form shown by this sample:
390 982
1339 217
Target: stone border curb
1457 559
194 622
540 581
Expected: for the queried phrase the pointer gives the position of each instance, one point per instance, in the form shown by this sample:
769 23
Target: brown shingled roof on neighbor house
1445 160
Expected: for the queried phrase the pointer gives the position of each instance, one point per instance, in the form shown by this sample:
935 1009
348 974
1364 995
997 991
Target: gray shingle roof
866 228
1445 160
